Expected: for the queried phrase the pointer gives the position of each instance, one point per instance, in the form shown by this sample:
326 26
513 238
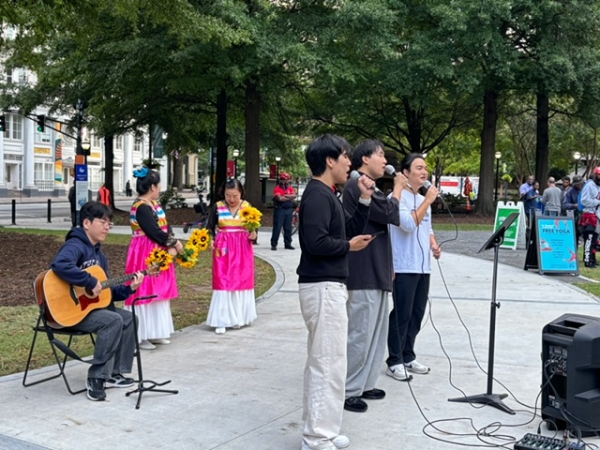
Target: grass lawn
593 287
190 308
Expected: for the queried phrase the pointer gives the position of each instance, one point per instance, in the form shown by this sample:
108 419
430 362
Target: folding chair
50 329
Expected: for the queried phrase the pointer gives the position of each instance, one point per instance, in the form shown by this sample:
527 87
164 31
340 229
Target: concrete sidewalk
243 390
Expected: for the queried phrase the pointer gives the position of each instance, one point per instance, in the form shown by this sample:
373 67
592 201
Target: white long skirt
231 308
154 320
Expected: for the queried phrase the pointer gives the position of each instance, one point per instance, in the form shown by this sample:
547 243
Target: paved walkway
243 390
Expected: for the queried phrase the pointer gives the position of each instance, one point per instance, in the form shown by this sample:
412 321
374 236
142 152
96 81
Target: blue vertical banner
556 245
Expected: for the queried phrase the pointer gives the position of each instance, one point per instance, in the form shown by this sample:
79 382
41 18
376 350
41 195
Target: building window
43 138
95 141
119 143
137 146
22 77
43 176
14 127
9 76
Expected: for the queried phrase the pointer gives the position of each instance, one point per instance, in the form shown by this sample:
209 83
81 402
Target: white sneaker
220 330
341 441
398 372
160 341
416 367
146 345
306 447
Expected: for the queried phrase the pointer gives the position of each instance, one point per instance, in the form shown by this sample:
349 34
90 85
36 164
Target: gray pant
115 340
367 337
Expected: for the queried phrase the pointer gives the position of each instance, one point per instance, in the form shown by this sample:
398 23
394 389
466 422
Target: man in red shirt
283 197
104 195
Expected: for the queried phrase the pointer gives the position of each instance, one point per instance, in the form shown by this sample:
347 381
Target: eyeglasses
105 223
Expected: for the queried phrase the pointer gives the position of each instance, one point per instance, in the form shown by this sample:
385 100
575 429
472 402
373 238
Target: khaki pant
323 307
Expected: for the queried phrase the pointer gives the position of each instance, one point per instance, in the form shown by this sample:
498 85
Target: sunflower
251 218
159 257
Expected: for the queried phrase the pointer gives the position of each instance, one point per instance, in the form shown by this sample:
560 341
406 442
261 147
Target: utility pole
81 169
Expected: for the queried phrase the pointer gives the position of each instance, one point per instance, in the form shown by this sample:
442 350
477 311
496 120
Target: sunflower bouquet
159 257
251 218
198 242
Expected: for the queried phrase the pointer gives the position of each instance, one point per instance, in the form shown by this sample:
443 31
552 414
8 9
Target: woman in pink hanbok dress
233 304
150 230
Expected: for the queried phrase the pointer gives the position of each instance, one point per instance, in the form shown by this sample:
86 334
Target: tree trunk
252 148
485 197
221 169
109 157
176 171
414 124
542 141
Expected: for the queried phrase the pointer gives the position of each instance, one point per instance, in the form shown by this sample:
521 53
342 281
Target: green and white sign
515 235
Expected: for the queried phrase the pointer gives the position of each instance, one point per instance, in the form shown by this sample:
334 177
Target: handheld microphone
355 176
390 170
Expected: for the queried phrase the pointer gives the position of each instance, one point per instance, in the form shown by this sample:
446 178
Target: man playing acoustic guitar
115 341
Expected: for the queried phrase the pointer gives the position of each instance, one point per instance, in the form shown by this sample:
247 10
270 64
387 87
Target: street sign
515 234
81 172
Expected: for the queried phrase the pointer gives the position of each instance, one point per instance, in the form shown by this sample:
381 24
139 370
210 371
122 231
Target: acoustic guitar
67 304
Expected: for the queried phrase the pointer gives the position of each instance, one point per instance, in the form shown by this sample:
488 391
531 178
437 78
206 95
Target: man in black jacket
115 339
327 234
370 279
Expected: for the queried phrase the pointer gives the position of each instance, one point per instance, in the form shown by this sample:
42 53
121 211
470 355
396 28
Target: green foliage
172 199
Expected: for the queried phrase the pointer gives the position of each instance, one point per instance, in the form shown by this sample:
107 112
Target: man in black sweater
370 280
326 235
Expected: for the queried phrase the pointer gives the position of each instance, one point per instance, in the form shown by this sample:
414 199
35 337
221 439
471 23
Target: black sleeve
213 219
382 210
147 221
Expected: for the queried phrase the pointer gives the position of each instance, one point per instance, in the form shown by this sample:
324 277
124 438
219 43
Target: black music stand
495 400
152 385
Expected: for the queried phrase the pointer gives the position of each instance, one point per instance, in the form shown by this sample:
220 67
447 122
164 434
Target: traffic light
2 123
41 121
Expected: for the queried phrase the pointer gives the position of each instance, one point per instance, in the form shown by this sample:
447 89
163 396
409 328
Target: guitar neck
119 280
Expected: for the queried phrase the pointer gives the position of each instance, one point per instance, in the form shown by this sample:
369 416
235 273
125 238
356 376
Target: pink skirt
233 261
164 284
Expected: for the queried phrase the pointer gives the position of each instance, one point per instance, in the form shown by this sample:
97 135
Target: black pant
590 238
282 218
410 301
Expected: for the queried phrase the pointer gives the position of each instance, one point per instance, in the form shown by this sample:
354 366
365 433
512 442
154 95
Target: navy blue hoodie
78 253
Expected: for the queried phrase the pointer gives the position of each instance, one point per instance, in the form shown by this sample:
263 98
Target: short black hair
365 148
408 160
143 185
232 183
323 147
94 210
566 178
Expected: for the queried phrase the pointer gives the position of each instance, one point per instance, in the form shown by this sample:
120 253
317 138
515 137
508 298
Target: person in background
590 200
566 183
150 230
73 204
571 203
115 344
232 304
104 195
413 243
525 188
327 234
370 279
552 199
128 190
531 203
284 197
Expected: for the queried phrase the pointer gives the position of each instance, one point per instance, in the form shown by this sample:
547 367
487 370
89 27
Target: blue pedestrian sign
81 172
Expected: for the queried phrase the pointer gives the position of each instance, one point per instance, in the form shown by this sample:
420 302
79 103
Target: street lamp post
497 155
576 157
236 153
278 160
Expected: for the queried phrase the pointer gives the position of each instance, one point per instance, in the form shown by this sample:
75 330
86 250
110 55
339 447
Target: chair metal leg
35 333
152 385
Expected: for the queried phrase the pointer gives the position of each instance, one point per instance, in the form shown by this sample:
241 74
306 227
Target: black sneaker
373 394
289 247
95 389
273 248
355 404
119 381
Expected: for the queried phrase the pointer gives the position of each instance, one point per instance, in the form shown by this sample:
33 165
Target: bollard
49 210
14 212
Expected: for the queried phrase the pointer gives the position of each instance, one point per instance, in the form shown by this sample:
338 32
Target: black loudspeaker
571 372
